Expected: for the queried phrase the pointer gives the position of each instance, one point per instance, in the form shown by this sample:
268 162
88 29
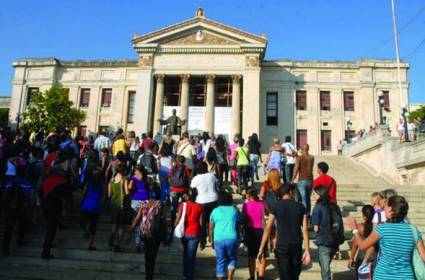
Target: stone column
209 116
236 105
184 101
159 99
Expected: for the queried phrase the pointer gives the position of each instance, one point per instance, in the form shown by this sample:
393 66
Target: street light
18 119
381 106
405 114
348 136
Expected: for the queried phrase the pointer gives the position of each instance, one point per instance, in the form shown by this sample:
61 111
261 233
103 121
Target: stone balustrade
384 155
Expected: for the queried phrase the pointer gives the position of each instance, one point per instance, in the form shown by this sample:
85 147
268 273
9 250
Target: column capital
185 78
236 78
160 78
210 78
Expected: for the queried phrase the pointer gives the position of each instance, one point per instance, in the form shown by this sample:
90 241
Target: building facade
217 79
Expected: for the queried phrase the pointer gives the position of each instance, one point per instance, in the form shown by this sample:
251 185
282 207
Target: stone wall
384 155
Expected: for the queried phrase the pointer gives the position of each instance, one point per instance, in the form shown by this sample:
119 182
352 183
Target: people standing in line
223 165
327 221
151 219
253 211
137 186
325 180
187 150
206 185
224 235
116 192
304 170
254 146
292 230
92 201
290 154
102 141
396 239
179 177
358 257
192 231
232 160
274 158
165 163
242 165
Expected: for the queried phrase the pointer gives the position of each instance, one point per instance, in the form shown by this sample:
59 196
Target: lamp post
405 114
381 106
18 120
348 136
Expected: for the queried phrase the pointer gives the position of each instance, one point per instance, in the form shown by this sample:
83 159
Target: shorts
253 239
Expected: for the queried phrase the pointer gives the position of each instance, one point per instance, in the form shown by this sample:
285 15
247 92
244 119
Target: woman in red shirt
192 231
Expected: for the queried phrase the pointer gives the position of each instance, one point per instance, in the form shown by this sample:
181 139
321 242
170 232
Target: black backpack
271 198
179 177
148 161
333 231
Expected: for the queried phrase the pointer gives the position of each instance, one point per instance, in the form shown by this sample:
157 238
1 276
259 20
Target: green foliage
52 110
420 112
4 117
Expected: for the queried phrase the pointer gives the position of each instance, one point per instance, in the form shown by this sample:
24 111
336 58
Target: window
301 137
106 97
271 108
301 99
348 101
172 91
82 130
197 91
326 136
85 97
325 101
30 94
386 99
131 106
223 92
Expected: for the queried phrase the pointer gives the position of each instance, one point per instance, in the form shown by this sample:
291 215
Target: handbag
364 272
417 262
179 230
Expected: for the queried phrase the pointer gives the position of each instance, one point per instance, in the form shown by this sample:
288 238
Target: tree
52 110
420 112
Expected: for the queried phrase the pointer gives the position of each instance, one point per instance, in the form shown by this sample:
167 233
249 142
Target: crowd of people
161 188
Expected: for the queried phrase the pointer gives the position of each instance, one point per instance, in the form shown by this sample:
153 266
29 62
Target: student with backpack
148 160
151 219
242 164
180 182
91 204
328 224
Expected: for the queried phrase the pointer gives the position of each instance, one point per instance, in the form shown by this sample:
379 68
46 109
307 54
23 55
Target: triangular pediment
199 31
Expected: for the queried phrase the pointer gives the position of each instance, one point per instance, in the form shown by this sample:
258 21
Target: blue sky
301 29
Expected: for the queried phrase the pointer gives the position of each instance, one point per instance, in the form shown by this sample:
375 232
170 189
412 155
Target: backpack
334 227
148 161
15 197
179 177
271 198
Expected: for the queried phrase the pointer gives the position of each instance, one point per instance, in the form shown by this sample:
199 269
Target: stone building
217 79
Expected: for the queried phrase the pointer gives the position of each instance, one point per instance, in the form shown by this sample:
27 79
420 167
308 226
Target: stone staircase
73 261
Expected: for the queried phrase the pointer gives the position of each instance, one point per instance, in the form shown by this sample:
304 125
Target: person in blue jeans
304 170
320 221
193 220
224 234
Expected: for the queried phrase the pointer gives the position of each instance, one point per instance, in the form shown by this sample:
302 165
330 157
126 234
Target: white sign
223 121
196 122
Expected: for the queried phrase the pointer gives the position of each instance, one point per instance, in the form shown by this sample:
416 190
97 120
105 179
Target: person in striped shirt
396 240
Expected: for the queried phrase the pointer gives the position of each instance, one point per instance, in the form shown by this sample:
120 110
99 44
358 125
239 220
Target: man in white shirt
290 154
186 149
102 142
